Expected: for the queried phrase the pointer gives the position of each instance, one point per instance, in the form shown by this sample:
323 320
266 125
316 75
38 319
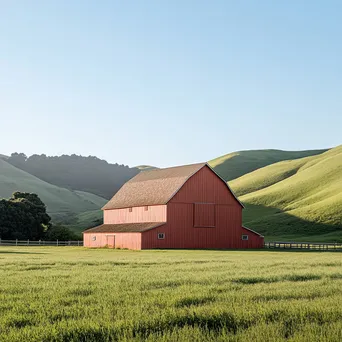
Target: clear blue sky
169 82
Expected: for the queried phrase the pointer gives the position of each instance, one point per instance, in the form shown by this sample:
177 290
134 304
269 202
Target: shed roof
152 187
124 227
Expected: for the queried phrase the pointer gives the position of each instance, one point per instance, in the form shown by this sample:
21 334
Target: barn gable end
205 186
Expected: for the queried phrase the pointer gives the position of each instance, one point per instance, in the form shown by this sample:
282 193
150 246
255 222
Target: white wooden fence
39 243
318 246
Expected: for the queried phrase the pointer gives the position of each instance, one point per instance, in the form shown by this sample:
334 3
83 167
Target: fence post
28 242
16 242
57 242
78 243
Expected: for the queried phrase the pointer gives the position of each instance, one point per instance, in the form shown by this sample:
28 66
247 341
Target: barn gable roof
124 227
155 187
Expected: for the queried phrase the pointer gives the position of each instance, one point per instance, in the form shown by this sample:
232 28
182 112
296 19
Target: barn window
161 236
130 209
146 207
93 238
204 215
245 237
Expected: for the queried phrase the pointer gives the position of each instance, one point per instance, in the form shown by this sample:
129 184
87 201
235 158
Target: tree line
74 172
24 216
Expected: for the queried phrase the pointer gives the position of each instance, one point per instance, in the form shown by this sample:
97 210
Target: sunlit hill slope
299 199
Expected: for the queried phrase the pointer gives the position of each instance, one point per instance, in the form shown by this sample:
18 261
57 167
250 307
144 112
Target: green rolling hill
146 167
295 200
288 195
237 164
61 203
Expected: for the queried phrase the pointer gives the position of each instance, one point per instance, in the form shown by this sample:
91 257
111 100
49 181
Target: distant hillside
237 164
2 156
60 202
146 167
82 221
296 200
74 172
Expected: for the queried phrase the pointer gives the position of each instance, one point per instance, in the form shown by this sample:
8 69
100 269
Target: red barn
179 207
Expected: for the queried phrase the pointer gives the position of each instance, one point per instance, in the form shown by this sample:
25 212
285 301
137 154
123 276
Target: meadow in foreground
75 294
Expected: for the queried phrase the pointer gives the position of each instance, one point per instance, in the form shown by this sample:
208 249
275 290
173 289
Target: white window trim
242 237
161 238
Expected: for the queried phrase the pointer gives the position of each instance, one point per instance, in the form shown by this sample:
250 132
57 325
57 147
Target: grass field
74 294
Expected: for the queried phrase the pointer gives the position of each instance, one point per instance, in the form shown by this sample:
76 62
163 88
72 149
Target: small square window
146 207
161 236
244 237
130 209
93 238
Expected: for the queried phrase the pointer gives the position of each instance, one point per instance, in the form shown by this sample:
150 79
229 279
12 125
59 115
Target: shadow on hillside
19 252
277 225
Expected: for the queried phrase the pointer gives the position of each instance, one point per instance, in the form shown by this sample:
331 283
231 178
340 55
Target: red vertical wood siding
154 213
205 187
122 240
204 215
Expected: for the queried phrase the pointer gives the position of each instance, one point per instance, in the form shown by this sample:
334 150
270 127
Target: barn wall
181 233
203 187
155 213
122 240
206 187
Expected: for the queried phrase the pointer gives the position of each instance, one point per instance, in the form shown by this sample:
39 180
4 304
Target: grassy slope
299 199
146 167
82 221
60 202
78 294
234 165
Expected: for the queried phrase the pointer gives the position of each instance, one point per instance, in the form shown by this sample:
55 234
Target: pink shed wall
155 213
122 240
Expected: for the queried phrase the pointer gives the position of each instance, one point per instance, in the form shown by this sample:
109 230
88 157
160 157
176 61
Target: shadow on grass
19 252
268 280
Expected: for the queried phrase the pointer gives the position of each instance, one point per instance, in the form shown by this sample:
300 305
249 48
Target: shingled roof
124 227
154 187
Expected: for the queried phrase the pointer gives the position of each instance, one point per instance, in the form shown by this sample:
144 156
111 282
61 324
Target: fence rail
322 246
39 243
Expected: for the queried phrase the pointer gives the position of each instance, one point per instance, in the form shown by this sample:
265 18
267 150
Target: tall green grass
75 294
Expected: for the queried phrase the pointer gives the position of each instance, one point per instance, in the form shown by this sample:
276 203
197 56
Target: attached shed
179 207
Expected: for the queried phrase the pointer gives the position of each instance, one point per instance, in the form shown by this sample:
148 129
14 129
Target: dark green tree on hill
23 216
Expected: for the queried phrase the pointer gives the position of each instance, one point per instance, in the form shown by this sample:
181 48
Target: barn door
111 241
